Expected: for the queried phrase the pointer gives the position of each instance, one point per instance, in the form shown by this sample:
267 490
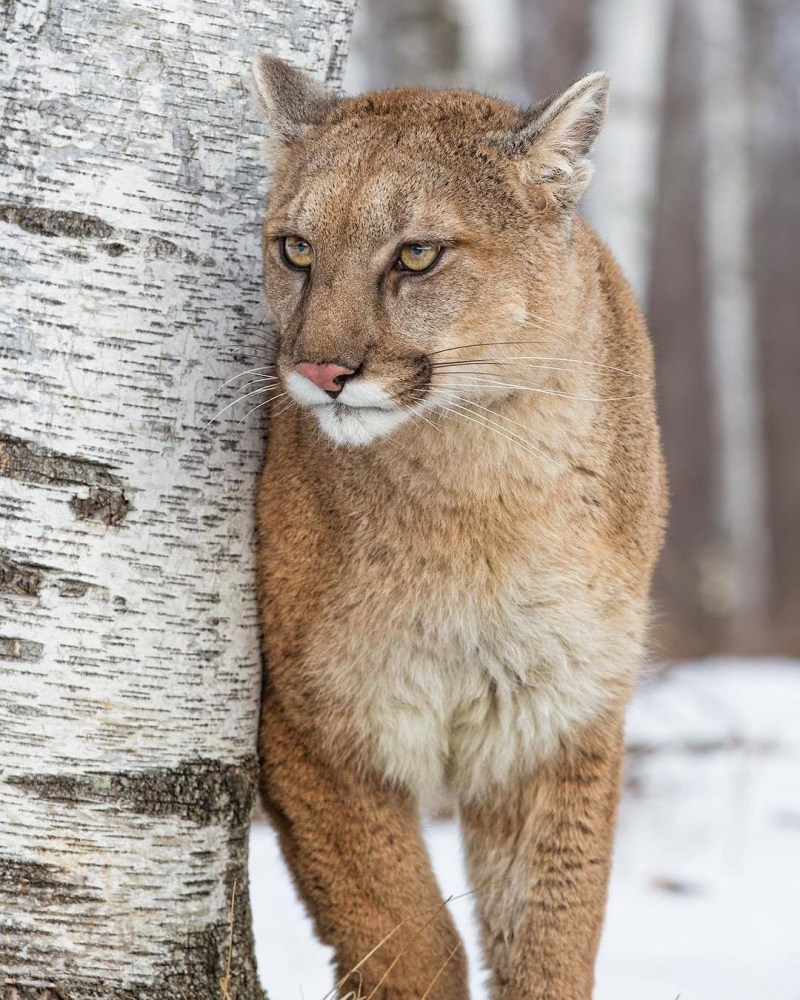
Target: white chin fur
362 412
355 427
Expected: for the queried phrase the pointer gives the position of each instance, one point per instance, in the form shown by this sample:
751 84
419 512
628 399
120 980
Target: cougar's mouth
346 408
358 414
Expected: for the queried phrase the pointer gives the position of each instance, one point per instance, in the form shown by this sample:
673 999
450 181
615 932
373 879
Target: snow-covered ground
705 895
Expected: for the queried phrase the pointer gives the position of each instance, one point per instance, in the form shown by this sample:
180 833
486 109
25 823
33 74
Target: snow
705 894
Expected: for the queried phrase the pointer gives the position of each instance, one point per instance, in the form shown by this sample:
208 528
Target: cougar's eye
417 257
297 252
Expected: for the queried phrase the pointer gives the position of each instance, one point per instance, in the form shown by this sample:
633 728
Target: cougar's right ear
289 98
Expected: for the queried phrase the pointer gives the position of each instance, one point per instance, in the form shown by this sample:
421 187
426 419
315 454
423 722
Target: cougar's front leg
539 857
357 856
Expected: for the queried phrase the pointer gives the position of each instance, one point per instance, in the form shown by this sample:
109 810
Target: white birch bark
733 345
131 192
629 40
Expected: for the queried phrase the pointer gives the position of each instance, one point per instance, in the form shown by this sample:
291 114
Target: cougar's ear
552 145
289 98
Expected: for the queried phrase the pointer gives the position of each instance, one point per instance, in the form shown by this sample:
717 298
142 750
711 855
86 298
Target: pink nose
329 377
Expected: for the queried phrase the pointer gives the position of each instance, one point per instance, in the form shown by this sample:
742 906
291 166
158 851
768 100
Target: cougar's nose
329 377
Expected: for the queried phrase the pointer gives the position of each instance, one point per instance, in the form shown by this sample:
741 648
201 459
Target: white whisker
419 413
535 357
250 371
487 382
286 406
264 403
499 429
239 399
256 380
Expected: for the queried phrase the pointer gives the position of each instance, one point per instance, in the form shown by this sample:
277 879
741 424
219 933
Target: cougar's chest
484 660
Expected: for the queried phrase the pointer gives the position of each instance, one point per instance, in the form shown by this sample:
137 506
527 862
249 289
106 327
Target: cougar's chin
356 426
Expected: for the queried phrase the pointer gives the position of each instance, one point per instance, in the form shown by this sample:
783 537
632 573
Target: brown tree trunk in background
556 42
689 620
774 30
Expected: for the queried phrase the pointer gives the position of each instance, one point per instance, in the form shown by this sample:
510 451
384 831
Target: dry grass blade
225 981
366 958
358 994
441 969
402 951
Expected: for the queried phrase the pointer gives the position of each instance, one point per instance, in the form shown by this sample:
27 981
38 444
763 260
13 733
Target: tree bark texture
131 190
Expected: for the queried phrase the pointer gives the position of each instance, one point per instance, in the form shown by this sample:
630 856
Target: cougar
462 502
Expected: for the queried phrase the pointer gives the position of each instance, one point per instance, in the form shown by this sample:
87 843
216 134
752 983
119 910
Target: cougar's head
408 235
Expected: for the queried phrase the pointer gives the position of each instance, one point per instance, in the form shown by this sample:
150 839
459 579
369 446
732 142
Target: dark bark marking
32 463
27 650
47 222
108 506
19 578
74 588
199 963
26 579
113 249
80 989
79 226
71 990
39 884
194 971
202 791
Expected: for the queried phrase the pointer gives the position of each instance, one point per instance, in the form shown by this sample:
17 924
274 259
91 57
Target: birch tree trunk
630 42
130 200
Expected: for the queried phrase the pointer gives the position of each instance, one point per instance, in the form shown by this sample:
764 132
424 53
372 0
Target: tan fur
455 600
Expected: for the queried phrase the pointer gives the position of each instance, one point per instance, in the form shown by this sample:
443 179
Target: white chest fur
460 691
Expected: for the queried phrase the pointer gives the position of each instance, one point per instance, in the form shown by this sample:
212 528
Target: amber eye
417 257
297 252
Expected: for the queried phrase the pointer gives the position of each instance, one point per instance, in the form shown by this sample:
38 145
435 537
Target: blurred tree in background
696 192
